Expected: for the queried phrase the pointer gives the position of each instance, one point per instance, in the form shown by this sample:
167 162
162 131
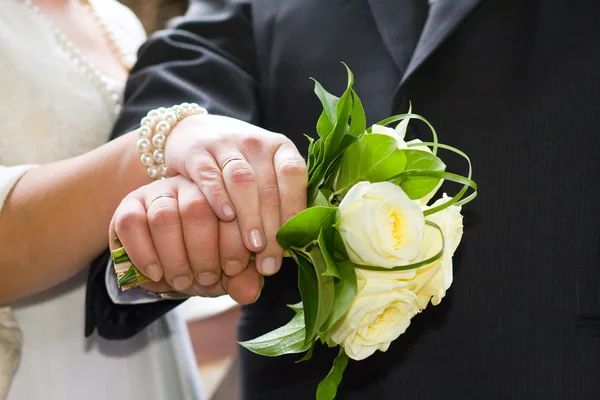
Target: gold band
160 196
231 160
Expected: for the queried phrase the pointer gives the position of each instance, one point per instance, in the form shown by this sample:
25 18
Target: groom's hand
173 237
248 175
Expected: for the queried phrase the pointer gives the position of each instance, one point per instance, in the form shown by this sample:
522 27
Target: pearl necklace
111 96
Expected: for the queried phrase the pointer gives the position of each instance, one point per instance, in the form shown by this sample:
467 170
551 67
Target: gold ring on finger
160 196
231 160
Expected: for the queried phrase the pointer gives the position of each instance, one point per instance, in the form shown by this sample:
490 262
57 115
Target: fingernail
269 266
154 272
181 283
232 267
206 278
257 239
228 211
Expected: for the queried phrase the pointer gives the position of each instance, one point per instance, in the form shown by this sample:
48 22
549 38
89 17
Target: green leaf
308 354
465 180
358 123
315 179
328 118
326 245
344 109
419 186
327 388
335 134
289 339
321 200
311 153
315 158
343 112
447 176
373 158
345 291
304 227
316 289
296 307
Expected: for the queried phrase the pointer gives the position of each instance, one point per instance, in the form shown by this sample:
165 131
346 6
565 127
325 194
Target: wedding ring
230 160
160 196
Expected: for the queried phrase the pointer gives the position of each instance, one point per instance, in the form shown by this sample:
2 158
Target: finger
246 287
205 173
201 234
268 261
234 255
240 181
130 226
215 290
167 236
196 289
292 180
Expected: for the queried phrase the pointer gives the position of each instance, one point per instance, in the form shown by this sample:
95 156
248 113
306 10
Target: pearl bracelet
153 132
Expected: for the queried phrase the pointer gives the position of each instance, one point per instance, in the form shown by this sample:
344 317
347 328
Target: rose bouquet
371 251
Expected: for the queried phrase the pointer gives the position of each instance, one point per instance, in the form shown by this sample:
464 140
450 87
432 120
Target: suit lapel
444 17
400 23
398 19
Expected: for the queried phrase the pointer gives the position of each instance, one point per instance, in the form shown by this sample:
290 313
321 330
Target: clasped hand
233 185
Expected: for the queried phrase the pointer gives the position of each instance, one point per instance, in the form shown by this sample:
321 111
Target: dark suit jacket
515 84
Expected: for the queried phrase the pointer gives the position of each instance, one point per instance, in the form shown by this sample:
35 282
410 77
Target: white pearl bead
162 168
147 121
161 110
170 117
144 132
202 111
159 141
194 108
163 127
159 156
153 114
185 108
144 145
153 171
79 61
147 159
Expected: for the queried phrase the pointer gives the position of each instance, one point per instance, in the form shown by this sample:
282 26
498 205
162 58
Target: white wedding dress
49 111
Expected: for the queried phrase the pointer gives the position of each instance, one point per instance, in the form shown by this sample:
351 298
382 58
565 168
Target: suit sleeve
206 57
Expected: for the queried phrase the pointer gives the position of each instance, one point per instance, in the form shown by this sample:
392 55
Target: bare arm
54 222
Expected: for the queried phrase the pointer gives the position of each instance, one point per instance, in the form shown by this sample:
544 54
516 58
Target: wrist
155 129
131 171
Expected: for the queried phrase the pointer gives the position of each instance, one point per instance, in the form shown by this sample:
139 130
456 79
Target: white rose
380 225
433 280
378 315
384 130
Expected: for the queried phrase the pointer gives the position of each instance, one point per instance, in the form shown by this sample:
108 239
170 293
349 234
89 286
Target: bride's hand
247 174
172 236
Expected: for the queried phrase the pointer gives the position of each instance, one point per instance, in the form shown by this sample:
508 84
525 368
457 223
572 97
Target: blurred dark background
155 13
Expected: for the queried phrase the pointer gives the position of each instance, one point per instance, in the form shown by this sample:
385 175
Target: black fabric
515 84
